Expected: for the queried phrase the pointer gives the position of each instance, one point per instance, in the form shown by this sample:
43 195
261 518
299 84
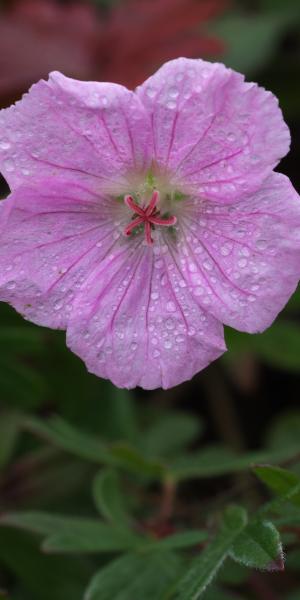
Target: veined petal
242 262
63 128
214 134
51 238
130 324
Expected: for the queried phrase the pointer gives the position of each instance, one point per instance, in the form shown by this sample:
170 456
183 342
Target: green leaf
279 345
108 498
238 32
118 414
280 481
65 534
214 461
132 460
183 539
170 434
102 539
204 568
88 447
42 577
259 546
69 438
233 574
216 593
134 577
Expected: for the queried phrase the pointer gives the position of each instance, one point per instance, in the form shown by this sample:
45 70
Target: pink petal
133 324
216 135
50 241
242 262
63 128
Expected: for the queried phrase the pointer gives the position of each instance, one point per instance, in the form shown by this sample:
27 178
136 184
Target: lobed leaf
205 567
259 546
170 434
281 481
108 497
135 576
66 534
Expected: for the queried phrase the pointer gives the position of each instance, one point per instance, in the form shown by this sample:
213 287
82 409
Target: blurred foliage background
158 468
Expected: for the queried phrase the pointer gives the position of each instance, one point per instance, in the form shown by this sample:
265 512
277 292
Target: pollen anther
149 216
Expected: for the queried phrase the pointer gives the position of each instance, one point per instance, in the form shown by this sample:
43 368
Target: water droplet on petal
242 262
171 306
168 344
4 144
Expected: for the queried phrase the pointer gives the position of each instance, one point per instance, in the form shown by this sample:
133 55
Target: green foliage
279 346
170 433
41 577
205 567
65 534
133 576
108 497
259 546
280 481
107 494
239 31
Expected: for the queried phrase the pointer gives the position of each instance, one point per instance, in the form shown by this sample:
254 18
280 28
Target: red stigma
148 216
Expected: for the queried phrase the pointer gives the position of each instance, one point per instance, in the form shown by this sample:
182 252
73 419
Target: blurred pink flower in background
38 35
142 221
124 44
142 34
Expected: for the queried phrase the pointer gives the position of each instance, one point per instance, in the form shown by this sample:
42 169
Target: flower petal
242 262
216 135
98 132
51 239
131 325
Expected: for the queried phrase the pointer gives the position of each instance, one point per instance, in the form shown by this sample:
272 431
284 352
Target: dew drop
4 145
170 323
180 339
261 244
207 264
150 92
168 344
154 296
58 305
242 262
171 104
173 92
171 306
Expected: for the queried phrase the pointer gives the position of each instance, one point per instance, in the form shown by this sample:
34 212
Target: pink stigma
148 216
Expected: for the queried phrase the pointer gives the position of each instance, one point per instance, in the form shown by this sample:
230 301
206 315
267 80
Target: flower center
147 216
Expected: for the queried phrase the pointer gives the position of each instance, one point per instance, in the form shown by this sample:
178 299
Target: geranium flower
124 44
142 221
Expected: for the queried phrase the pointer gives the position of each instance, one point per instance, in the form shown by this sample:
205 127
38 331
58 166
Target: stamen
149 217
152 204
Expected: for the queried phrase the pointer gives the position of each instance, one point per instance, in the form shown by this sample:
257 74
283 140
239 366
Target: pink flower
142 221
